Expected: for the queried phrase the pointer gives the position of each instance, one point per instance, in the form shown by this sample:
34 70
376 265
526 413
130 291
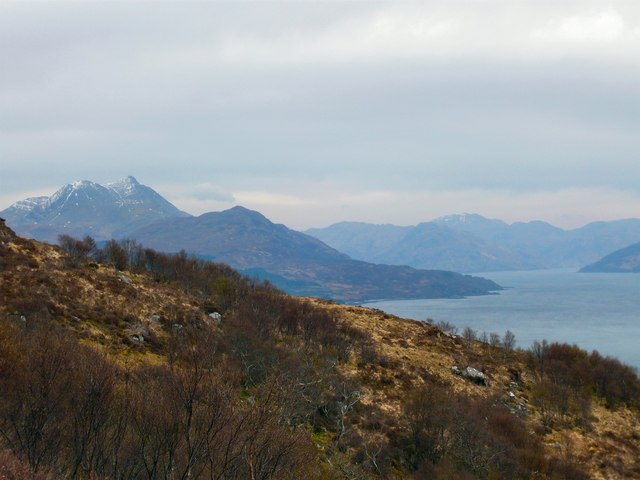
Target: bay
596 311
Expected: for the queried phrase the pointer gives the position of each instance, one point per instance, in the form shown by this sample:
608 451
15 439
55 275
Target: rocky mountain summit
88 208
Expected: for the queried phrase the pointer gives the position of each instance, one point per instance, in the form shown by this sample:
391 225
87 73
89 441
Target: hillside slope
625 260
301 264
248 381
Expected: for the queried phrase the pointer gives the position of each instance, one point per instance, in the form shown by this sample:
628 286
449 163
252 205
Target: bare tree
348 398
76 250
36 397
509 341
90 419
495 340
469 334
114 254
446 326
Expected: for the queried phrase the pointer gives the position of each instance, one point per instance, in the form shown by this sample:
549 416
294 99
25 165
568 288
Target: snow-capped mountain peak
72 192
125 187
85 207
31 204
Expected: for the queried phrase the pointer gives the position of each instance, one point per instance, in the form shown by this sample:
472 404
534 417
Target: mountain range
347 261
244 239
299 263
472 243
87 208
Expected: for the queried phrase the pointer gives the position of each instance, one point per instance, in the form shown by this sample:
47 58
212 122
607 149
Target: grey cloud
181 92
206 191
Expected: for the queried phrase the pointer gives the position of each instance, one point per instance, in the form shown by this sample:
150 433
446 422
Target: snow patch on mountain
30 204
84 206
125 187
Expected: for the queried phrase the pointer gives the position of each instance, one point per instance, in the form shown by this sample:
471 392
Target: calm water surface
596 311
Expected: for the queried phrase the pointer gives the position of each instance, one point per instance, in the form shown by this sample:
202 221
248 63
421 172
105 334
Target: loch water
596 311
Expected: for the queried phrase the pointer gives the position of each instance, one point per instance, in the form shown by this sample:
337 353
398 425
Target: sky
316 112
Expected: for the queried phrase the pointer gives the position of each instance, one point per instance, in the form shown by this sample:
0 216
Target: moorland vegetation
125 362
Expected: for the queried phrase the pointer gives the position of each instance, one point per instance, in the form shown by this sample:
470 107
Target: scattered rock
137 328
123 278
472 374
137 337
176 327
216 317
519 409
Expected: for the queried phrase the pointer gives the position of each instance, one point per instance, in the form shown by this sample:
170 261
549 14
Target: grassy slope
105 308
609 450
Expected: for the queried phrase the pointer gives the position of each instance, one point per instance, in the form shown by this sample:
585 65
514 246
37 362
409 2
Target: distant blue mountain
625 260
430 245
244 239
299 263
362 241
472 243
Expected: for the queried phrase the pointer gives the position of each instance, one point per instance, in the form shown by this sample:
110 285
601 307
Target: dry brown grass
609 450
102 306
105 310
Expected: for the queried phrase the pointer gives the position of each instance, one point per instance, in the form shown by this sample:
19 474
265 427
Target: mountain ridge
319 264
84 207
242 238
472 243
247 240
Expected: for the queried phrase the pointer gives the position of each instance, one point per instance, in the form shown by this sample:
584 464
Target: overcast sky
317 112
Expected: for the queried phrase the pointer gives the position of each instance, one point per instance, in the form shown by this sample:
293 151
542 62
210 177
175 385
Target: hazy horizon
356 220
319 112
